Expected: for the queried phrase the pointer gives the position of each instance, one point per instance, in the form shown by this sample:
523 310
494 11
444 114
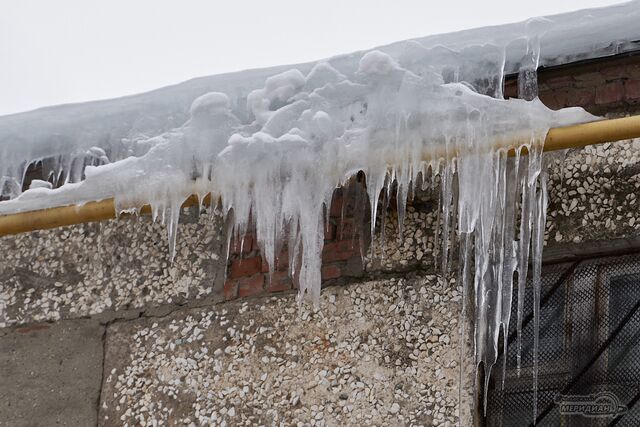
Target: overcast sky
55 52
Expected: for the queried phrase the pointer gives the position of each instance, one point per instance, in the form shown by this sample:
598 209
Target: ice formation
274 144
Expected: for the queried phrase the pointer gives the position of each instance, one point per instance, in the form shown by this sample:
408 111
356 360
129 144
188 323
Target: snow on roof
71 130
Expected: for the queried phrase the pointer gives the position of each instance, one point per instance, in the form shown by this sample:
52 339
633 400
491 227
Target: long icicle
538 242
463 279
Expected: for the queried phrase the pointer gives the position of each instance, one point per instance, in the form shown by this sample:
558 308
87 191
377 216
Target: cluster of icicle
304 135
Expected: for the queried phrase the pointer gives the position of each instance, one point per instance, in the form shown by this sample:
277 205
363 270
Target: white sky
54 52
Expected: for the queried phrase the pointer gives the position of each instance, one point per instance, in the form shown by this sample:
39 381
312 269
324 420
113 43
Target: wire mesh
589 354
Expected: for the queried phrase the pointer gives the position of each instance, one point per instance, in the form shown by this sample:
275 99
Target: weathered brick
282 260
245 267
609 93
279 281
243 246
559 82
340 250
335 210
555 99
230 289
632 90
264 266
331 271
542 86
633 71
614 72
253 285
589 77
329 231
591 84
348 230
581 97
255 246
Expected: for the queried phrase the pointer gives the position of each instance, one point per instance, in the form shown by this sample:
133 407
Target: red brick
614 72
609 93
559 82
581 97
329 231
591 84
264 268
633 71
256 245
280 281
340 250
331 271
554 99
589 77
542 87
347 230
230 289
335 210
282 261
244 245
253 285
245 267
632 90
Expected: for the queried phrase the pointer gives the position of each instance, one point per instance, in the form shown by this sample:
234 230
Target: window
589 346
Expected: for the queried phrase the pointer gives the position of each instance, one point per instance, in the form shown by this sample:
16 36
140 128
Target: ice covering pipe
575 136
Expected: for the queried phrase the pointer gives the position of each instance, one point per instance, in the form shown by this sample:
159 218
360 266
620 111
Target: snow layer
65 135
273 145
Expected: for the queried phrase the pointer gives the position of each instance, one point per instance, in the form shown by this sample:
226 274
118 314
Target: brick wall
602 86
342 256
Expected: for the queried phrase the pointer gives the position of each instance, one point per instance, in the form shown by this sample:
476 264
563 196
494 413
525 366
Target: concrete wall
99 327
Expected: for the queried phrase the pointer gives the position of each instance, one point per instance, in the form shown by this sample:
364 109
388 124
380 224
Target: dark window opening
589 348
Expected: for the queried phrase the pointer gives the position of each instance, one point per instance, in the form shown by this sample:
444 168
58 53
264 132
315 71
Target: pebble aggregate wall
158 367
378 353
107 268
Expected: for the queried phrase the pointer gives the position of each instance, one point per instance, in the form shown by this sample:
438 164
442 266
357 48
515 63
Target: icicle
463 280
293 245
172 228
383 217
528 74
358 218
342 209
375 184
510 251
454 212
537 244
438 227
445 203
228 233
523 250
499 245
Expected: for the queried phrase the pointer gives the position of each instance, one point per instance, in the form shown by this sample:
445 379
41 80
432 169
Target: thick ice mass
274 144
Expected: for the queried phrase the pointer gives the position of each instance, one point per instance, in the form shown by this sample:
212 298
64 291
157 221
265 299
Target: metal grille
589 355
